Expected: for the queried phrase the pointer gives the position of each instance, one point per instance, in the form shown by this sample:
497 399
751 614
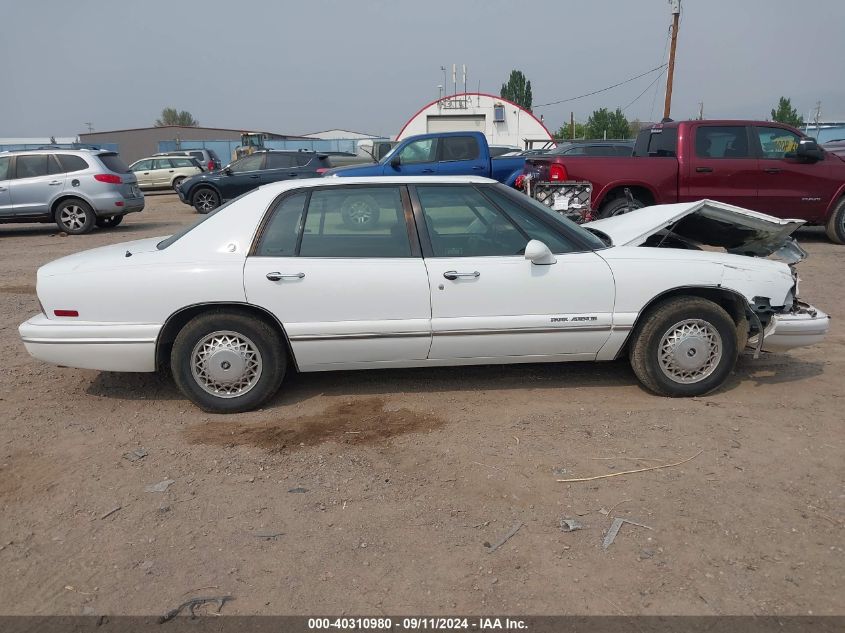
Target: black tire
618 206
177 181
222 332
835 226
205 199
109 222
360 212
663 372
75 216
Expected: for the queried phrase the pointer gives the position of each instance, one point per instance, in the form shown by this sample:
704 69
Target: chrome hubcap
206 201
690 351
72 217
226 364
360 212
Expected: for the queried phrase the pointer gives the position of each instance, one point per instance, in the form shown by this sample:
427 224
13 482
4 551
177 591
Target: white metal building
342 134
502 122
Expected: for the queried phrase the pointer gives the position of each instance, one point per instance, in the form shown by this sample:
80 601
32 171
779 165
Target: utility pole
572 125
90 126
676 12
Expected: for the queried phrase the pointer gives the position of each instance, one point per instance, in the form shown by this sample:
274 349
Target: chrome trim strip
362 335
525 330
86 341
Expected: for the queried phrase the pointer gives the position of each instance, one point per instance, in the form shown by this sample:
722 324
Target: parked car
760 165
593 148
164 172
457 271
207 158
502 150
208 190
76 189
443 154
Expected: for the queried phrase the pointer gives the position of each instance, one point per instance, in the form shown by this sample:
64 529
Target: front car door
143 172
460 155
5 196
791 187
417 158
38 178
162 172
721 166
487 300
245 175
348 296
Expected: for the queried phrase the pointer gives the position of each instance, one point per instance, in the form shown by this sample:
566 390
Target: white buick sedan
332 274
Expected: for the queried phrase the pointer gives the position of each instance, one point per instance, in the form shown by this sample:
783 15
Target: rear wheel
226 362
75 216
835 226
109 222
618 206
685 346
205 200
178 181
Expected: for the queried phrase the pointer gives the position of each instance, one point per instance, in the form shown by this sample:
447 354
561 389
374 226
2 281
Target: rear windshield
661 142
114 163
168 241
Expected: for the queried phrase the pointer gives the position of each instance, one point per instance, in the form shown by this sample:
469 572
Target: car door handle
55 182
293 174
772 170
170 170
704 170
453 274
478 168
280 276
427 171
2 188
256 176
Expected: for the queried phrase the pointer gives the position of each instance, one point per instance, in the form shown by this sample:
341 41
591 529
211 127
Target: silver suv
76 189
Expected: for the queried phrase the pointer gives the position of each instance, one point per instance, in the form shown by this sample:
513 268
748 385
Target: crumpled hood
102 257
708 222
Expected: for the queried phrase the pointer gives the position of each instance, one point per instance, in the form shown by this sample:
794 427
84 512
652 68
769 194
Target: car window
776 142
248 163
182 162
458 148
281 233
4 167
303 159
422 151
355 222
462 223
143 165
722 141
198 155
530 225
71 162
161 163
114 163
658 141
573 151
279 161
31 166
53 165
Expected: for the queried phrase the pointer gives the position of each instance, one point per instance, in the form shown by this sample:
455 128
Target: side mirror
227 170
538 253
809 149
395 161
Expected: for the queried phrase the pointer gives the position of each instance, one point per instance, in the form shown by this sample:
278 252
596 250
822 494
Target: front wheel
75 217
227 363
205 200
835 226
109 222
685 346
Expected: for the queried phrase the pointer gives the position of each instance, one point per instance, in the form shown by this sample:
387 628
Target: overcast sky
310 65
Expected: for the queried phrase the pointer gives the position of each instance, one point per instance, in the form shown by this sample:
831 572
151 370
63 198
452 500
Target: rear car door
790 187
722 166
38 177
279 166
417 158
245 175
488 301
460 155
162 172
143 172
354 296
5 196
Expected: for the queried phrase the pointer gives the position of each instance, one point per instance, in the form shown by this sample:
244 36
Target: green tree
634 128
172 116
785 113
606 124
565 131
518 90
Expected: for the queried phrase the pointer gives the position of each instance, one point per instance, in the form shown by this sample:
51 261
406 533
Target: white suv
76 189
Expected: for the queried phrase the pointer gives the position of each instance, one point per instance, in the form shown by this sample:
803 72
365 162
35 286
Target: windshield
176 236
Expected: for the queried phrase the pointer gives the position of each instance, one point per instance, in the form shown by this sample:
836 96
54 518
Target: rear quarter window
71 162
662 143
114 162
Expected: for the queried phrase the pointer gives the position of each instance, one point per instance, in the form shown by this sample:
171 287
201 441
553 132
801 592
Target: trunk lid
103 257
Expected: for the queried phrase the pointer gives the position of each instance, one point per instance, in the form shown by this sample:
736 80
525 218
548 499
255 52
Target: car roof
284 185
85 151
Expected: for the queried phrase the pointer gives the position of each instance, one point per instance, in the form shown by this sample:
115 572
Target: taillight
66 313
519 183
557 172
322 170
109 178
211 165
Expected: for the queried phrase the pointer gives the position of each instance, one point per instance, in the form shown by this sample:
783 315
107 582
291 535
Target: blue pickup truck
442 154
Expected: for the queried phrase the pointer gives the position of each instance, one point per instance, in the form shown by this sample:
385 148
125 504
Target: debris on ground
110 512
558 472
492 548
298 490
192 604
161 486
135 455
614 530
629 472
570 525
267 536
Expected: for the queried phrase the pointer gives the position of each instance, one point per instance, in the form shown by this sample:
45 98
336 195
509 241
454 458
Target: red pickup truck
759 165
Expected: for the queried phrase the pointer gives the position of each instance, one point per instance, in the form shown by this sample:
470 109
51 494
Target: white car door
348 294
488 301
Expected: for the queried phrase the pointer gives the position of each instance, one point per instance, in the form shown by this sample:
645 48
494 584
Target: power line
637 98
595 92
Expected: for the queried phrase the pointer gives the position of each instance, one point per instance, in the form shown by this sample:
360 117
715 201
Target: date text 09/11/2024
418 624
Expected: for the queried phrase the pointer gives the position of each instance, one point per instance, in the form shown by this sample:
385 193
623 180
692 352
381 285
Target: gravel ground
376 492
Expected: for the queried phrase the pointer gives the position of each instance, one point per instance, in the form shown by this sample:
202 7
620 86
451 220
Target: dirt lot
375 492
